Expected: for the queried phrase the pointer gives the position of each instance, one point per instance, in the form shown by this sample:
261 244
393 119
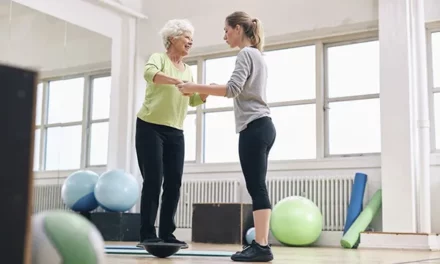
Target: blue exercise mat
122 247
133 250
356 199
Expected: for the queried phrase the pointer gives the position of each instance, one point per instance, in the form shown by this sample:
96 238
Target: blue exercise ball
117 191
77 191
250 235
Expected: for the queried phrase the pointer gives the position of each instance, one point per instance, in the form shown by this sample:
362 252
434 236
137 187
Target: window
319 94
219 71
63 148
65 111
190 133
296 132
291 74
190 125
38 119
291 96
354 126
194 72
352 98
435 59
64 116
221 141
100 113
37 149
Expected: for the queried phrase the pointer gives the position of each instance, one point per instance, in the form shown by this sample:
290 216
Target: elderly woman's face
182 43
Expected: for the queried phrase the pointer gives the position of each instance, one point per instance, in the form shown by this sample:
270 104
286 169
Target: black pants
255 143
161 153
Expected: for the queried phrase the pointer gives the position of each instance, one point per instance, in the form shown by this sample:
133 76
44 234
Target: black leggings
161 153
255 143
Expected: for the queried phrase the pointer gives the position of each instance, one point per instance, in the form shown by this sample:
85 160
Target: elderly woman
160 144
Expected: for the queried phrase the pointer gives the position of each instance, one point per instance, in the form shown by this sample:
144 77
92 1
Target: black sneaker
254 253
174 240
148 240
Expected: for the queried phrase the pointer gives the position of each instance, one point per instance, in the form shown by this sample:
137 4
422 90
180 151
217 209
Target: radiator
48 197
330 193
203 191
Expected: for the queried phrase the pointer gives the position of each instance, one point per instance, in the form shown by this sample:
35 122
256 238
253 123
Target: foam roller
356 200
364 219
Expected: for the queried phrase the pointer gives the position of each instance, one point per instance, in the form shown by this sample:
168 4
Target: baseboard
327 238
414 241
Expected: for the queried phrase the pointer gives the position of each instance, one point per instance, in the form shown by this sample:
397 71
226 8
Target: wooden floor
283 255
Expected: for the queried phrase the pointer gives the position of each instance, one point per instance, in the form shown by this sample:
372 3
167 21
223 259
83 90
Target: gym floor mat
433 260
132 250
122 247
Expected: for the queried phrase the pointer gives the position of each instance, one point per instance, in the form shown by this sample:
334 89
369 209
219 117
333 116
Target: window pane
219 71
296 62
437 119
189 130
98 144
37 150
66 100
63 148
221 141
296 132
194 73
101 97
39 104
436 58
353 69
354 127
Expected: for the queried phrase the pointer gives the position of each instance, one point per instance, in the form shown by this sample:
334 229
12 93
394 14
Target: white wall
280 17
41 41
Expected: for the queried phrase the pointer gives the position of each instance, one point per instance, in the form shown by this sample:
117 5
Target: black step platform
117 226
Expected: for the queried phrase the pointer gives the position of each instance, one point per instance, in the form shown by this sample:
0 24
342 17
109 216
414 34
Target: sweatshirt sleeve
152 67
195 100
240 74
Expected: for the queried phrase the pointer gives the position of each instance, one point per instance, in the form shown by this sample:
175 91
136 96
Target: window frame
431 29
321 101
85 123
328 100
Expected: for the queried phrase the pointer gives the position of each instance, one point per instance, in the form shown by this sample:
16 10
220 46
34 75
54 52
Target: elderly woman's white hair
174 28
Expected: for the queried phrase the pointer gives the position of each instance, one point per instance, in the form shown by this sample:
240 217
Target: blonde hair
252 27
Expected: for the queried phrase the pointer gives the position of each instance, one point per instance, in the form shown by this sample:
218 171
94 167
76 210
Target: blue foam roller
356 199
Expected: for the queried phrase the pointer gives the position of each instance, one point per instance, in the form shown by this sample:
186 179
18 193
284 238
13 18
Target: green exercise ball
296 221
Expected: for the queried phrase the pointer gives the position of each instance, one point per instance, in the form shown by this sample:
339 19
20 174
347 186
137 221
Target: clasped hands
185 88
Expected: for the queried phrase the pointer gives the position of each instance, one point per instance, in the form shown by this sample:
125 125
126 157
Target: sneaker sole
259 259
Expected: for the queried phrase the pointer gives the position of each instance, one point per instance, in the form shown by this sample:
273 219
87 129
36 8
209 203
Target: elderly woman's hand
183 93
186 88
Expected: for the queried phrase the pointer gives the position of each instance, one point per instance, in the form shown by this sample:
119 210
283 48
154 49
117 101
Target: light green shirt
163 103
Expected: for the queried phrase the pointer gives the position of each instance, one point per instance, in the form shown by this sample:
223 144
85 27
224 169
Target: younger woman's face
232 35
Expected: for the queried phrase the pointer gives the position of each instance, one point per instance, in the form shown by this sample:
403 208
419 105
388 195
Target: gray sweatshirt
248 87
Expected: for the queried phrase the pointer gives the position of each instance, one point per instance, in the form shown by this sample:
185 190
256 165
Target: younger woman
247 87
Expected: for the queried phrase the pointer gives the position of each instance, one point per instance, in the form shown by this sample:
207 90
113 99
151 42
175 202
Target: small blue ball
250 235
